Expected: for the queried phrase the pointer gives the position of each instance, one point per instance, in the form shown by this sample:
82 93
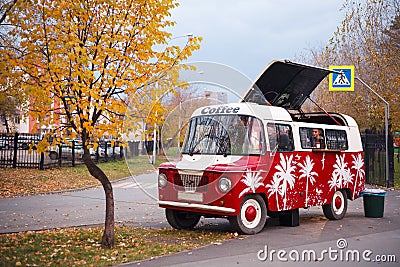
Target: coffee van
264 157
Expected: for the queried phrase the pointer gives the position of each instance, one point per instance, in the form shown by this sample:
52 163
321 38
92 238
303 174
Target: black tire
182 219
337 209
25 146
252 217
53 155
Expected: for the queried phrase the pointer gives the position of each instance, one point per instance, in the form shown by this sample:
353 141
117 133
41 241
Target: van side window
336 139
280 137
312 137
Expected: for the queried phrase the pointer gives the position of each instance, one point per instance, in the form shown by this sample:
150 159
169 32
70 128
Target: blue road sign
342 79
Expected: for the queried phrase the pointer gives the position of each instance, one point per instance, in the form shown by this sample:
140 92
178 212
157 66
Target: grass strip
80 246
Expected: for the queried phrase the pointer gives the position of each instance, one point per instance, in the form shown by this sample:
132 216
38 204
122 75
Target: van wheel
252 216
337 209
25 146
53 155
182 219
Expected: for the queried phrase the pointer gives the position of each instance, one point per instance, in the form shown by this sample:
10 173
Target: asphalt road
371 239
353 241
135 204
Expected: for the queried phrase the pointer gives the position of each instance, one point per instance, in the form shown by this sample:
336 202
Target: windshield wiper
191 150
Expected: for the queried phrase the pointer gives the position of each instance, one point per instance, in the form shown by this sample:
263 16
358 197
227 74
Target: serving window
336 139
312 137
324 139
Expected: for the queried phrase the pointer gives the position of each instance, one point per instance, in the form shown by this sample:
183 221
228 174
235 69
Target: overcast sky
248 34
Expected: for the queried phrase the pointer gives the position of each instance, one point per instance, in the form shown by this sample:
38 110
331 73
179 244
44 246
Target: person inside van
284 140
317 139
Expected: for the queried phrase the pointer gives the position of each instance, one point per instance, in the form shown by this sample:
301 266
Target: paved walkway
135 204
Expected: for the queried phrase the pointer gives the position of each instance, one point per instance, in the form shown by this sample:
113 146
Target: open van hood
285 84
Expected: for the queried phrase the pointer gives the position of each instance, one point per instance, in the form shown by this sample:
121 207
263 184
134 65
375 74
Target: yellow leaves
42 145
99 53
95 145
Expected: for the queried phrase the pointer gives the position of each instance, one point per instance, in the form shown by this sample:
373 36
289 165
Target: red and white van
264 157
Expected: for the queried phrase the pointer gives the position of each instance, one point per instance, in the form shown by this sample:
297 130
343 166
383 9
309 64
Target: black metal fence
374 145
19 150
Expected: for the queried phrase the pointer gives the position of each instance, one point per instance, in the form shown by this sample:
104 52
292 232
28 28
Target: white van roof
250 109
265 113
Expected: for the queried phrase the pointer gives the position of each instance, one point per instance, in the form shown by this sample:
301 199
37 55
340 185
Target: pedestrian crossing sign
342 78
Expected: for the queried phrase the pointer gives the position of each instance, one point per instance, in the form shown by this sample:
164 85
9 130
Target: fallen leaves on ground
80 246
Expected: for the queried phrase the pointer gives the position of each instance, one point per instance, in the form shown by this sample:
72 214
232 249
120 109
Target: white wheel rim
339 195
254 223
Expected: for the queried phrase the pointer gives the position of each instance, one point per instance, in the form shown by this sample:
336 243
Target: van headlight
162 180
224 184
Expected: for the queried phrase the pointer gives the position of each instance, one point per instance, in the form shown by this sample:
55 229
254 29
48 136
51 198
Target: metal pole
154 143
179 127
386 127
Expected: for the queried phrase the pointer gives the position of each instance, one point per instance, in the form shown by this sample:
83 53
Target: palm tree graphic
252 180
275 187
306 170
284 174
319 193
341 174
358 164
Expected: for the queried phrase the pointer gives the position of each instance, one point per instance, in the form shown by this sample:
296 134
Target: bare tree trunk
107 240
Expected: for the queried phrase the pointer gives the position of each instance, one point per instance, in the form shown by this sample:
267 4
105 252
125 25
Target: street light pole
386 127
179 126
153 160
189 35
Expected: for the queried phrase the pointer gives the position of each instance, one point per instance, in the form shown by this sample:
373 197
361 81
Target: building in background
216 97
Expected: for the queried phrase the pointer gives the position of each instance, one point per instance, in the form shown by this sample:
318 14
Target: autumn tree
86 61
12 99
368 38
6 7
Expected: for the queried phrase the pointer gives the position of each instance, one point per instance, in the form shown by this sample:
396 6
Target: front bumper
196 206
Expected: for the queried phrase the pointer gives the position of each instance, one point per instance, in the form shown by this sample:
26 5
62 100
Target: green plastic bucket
374 202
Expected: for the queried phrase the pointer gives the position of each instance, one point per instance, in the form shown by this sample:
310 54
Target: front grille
190 183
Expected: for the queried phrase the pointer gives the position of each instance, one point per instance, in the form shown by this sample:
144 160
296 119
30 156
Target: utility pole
386 127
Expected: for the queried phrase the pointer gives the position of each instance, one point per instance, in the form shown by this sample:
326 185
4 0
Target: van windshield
225 135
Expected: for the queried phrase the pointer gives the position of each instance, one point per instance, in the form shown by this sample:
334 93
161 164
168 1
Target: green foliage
396 171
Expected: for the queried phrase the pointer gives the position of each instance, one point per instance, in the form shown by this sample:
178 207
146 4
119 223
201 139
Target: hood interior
285 84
